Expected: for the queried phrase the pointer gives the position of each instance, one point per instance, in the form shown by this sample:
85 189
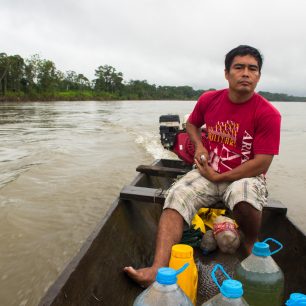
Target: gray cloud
166 42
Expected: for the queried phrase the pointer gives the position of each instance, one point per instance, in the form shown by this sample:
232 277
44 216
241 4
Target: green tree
136 89
4 67
74 81
108 79
11 73
70 80
31 73
83 82
15 74
47 77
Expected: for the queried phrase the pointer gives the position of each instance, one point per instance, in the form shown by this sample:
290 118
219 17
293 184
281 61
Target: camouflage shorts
193 192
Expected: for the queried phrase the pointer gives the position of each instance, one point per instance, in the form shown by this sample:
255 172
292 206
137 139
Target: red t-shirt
236 132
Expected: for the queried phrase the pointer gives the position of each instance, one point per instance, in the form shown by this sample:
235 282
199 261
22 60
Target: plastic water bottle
231 291
296 299
262 278
164 291
188 281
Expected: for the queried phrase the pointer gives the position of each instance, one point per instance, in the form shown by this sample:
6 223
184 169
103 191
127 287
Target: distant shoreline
102 99
55 98
176 93
36 79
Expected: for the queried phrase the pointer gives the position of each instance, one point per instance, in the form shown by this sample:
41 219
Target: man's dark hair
243 50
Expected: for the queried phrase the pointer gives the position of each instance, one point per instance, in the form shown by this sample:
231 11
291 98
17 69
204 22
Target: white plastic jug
262 278
164 291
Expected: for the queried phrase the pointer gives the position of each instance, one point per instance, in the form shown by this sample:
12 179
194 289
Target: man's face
243 75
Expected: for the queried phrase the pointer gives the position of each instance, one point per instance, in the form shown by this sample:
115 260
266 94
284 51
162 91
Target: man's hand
199 153
253 167
196 138
207 171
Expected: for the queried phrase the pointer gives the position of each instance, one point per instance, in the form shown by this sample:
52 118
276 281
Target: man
243 136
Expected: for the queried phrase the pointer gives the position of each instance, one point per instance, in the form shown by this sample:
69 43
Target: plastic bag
226 234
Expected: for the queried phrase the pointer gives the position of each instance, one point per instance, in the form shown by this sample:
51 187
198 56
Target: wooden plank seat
143 194
154 195
161 171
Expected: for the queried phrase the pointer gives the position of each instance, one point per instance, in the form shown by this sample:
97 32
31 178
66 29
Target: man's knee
170 215
172 212
252 191
247 216
245 208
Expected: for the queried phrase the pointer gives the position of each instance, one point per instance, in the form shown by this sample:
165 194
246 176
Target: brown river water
63 163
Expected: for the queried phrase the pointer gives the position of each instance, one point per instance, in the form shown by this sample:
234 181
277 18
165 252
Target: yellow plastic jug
188 280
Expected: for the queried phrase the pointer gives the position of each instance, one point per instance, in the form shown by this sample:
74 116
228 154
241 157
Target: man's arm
196 138
253 167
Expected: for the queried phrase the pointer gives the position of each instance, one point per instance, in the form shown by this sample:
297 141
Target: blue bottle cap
296 299
261 249
166 276
231 289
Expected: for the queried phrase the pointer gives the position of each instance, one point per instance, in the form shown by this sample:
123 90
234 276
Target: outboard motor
175 139
169 125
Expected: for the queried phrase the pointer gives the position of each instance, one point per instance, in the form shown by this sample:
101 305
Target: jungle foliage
39 79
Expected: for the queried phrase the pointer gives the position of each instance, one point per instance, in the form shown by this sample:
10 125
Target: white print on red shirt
224 132
223 140
247 142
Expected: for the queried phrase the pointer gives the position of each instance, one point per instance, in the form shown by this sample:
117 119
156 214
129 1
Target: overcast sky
166 42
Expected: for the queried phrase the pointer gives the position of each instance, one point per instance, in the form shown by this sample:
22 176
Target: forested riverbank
37 79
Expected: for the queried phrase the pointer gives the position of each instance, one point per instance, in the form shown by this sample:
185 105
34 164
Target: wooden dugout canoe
126 236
